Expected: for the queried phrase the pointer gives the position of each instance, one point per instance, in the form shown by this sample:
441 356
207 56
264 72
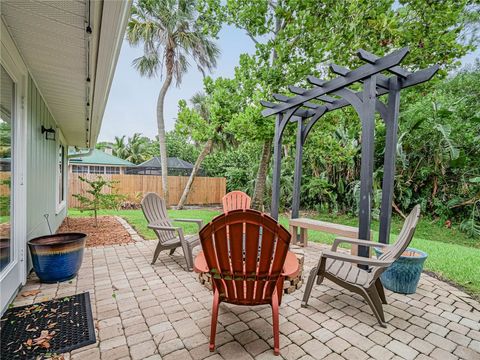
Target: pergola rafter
335 94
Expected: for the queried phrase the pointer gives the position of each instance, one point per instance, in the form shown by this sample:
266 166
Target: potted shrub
403 275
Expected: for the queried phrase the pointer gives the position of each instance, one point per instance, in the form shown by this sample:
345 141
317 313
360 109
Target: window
97 169
60 177
79 169
112 170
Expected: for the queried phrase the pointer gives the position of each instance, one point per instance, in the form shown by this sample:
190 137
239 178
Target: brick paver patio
161 312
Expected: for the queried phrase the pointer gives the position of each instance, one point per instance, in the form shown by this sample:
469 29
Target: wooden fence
205 190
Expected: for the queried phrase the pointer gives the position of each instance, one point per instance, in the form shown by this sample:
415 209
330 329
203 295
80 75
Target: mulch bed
108 232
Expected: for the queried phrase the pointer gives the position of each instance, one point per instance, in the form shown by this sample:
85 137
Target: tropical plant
170 36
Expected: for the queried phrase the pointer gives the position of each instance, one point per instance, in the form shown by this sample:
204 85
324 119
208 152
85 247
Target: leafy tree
98 198
297 38
207 120
181 145
170 36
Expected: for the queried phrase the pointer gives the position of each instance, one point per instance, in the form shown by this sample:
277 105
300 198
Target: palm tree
170 36
120 147
136 148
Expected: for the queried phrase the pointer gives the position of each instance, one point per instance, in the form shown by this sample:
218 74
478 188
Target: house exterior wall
42 166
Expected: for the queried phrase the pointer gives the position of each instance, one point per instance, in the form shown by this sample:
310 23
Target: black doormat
48 328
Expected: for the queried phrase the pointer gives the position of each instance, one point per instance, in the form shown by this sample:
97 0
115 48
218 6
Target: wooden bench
305 224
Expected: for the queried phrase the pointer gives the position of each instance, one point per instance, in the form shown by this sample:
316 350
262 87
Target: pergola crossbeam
382 80
361 73
298 112
372 58
284 98
315 81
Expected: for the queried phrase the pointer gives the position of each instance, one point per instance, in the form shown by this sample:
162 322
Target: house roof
70 49
99 157
173 163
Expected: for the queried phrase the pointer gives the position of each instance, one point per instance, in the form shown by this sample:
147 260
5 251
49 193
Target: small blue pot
403 275
57 257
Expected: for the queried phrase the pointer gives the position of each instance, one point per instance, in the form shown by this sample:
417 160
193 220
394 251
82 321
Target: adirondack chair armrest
200 264
163 228
352 241
356 259
291 268
199 222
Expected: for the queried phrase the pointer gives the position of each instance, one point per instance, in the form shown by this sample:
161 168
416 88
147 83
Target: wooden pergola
335 94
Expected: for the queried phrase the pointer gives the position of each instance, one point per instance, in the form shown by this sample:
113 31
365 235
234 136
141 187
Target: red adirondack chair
236 200
248 265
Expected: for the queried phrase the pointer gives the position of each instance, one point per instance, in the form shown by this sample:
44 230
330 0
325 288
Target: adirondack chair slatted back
236 200
403 240
245 251
155 211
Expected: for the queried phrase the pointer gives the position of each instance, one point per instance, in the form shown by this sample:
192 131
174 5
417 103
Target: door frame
12 62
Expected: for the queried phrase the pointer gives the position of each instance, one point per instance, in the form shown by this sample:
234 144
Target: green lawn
451 254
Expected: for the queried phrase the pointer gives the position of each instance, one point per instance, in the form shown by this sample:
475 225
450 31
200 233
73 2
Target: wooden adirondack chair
236 200
341 268
169 237
249 272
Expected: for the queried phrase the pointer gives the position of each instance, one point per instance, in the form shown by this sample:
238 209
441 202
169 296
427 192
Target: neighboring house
176 167
57 64
97 162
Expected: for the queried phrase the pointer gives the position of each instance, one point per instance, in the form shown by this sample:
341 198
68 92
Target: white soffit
51 37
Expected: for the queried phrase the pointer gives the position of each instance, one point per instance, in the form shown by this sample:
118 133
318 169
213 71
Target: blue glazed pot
403 275
57 257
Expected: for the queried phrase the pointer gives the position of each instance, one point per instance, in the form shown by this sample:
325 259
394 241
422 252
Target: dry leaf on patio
57 357
30 293
44 338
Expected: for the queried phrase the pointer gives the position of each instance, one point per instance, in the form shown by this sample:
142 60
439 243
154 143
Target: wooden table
305 224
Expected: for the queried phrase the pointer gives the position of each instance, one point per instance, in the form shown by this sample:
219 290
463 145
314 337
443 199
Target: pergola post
277 163
297 177
367 117
391 123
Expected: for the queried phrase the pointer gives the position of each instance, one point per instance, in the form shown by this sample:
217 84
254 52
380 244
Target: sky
132 102
131 106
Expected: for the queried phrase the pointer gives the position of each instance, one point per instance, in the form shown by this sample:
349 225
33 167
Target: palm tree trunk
206 150
161 134
261 179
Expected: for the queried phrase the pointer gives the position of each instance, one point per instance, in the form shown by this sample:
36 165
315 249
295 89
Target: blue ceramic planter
403 275
57 257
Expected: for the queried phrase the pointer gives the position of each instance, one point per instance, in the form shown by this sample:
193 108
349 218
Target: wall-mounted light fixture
49 133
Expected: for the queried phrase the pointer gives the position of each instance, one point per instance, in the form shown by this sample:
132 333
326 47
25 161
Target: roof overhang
72 67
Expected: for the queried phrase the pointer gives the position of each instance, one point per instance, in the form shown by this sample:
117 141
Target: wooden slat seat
347 272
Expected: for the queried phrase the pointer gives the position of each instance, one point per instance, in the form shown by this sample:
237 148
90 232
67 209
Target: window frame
112 170
96 167
79 166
